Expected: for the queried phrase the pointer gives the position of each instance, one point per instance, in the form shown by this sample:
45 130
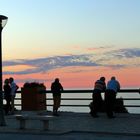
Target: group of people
100 86
110 91
10 88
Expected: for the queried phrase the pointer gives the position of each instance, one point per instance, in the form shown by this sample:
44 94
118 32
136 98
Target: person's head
113 78
102 79
6 81
57 80
11 79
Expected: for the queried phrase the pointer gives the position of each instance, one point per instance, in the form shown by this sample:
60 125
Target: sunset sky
75 40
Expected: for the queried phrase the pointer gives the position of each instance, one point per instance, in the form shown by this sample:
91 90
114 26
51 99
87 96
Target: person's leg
59 101
112 103
100 103
54 104
95 105
108 103
12 104
91 107
8 105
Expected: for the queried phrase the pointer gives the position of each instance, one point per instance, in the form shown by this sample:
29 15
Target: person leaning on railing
14 88
113 86
56 89
97 102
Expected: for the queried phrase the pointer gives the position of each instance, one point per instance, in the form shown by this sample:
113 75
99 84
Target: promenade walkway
68 122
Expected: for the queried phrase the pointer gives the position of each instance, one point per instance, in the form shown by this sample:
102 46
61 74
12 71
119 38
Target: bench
22 120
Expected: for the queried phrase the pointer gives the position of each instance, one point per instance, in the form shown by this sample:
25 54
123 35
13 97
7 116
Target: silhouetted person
56 89
14 88
110 96
97 103
7 96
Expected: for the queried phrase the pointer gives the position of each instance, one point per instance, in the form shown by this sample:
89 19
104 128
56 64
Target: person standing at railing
7 96
56 89
110 96
14 88
97 102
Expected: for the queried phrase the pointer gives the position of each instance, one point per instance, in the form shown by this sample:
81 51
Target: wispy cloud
99 48
46 64
125 53
42 65
121 57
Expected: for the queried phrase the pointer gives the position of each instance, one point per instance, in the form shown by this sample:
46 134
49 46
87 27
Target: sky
77 41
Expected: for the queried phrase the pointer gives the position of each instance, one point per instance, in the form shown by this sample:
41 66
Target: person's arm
51 87
61 87
13 88
17 87
104 86
118 85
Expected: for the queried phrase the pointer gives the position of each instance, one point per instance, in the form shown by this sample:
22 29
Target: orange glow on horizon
82 77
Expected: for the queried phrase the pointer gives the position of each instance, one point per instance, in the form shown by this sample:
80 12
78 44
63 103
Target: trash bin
33 99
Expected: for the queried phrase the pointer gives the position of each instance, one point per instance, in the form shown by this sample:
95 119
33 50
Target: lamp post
3 21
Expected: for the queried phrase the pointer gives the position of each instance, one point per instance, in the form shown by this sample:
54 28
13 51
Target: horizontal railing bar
17 104
84 98
82 105
89 91
88 105
72 99
131 105
17 98
71 105
91 99
131 98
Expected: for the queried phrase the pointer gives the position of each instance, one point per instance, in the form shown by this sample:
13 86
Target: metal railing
122 91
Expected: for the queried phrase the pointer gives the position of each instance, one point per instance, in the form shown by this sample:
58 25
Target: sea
135 110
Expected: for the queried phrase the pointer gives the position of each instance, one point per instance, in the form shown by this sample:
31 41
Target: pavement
124 124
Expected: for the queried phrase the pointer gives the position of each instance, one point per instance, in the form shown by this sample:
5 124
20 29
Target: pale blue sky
65 24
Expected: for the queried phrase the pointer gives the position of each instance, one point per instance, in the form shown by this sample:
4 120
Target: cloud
42 65
98 48
49 63
121 57
12 63
126 53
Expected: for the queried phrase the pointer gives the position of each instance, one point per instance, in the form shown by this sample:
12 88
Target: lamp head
3 21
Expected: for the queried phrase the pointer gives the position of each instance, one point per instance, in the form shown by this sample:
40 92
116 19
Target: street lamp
3 21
